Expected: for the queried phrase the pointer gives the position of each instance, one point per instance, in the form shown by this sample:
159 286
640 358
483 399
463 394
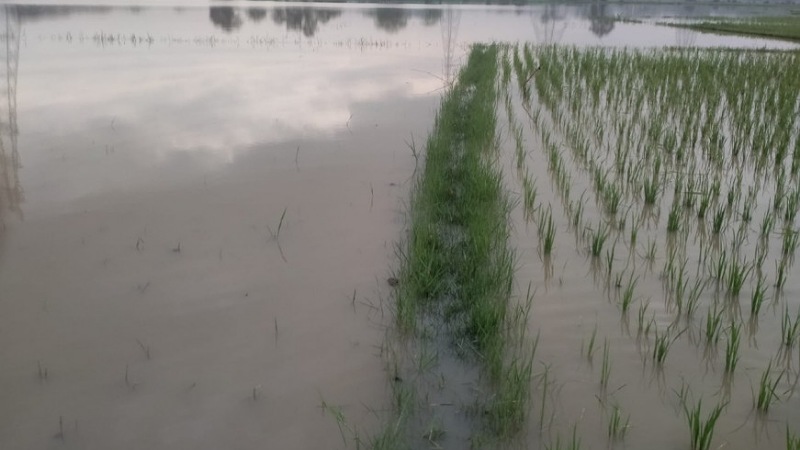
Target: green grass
456 267
787 27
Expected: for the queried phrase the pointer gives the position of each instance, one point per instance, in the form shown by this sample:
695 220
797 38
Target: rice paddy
351 227
683 173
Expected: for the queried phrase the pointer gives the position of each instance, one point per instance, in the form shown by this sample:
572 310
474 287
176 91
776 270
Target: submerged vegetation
456 271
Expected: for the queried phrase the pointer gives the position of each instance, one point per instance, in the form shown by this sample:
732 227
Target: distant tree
256 14
391 20
431 16
225 17
602 23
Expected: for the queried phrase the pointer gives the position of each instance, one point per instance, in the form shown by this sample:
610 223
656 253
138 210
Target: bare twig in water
60 434
139 244
296 154
371 196
280 249
413 146
276 329
178 248
347 124
142 287
145 348
42 371
276 234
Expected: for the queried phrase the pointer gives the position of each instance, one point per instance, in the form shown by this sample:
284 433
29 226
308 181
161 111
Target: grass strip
787 28
456 269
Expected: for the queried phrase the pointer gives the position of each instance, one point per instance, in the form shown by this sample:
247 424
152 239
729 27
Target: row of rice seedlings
703 168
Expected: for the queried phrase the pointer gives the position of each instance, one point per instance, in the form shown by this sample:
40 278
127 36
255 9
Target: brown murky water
200 204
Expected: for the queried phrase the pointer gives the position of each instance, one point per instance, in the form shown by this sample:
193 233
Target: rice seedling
574 442
705 201
713 327
790 328
767 223
589 348
732 348
792 440
605 369
577 212
627 294
651 190
737 273
791 206
674 218
529 193
719 266
693 297
547 230
610 261
718 221
701 428
790 240
650 251
641 314
661 346
758 296
780 274
617 425
766 389
598 238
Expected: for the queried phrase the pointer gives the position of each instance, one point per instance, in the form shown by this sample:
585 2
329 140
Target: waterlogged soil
200 206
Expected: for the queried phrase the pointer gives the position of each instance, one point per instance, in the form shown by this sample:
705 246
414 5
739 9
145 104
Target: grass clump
787 28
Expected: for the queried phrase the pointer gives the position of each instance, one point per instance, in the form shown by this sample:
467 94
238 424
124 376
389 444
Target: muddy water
199 207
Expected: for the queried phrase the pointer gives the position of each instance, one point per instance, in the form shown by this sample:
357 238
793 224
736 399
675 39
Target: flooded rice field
201 206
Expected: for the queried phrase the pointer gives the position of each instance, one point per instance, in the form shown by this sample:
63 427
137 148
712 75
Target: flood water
200 206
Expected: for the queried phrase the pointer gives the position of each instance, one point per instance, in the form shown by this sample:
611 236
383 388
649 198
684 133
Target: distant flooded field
201 206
